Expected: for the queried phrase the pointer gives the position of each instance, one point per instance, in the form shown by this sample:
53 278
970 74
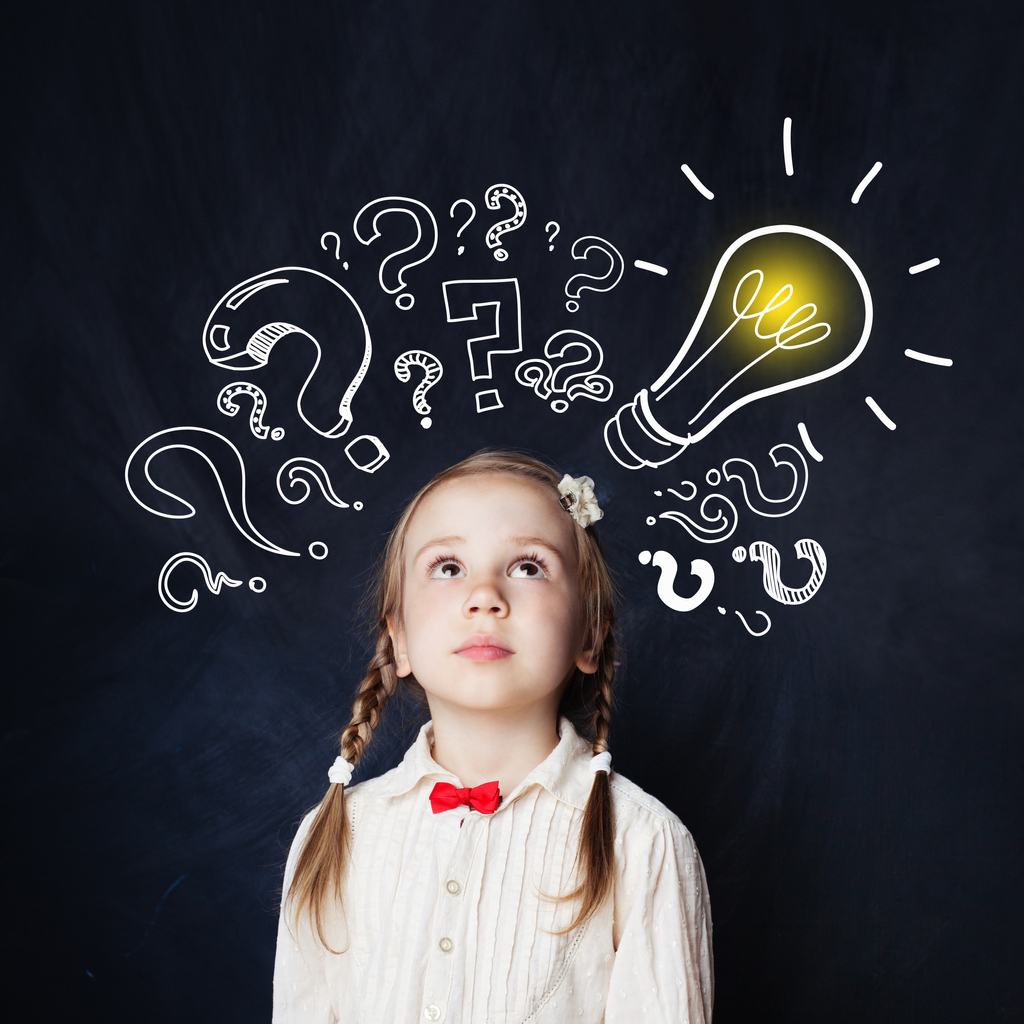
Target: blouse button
445 945
453 887
432 1012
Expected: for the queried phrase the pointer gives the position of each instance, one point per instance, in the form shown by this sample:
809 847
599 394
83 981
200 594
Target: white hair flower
579 500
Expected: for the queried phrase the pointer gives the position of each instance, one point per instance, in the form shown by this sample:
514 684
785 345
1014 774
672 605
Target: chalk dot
657 494
462 249
714 478
500 255
257 584
405 300
721 610
345 264
559 405
651 520
357 505
739 553
645 557
572 306
318 549
693 489
426 422
551 248
277 433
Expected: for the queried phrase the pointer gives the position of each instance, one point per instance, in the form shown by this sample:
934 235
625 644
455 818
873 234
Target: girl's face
491 612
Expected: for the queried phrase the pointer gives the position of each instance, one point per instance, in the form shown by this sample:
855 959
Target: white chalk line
805 437
652 267
927 265
697 183
865 181
874 407
923 357
787 144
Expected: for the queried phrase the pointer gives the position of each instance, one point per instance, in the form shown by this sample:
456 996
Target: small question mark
472 214
493 198
575 378
226 402
703 570
811 550
547 227
581 249
368 217
432 373
337 243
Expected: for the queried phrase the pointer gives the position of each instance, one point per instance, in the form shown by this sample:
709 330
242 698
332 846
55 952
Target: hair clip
578 499
340 773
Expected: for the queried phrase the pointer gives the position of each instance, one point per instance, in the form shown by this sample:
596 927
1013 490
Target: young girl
502 872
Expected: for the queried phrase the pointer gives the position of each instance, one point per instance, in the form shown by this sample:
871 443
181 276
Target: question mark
337 243
669 567
472 214
575 378
581 249
432 373
493 198
811 550
255 315
367 218
228 469
226 402
551 237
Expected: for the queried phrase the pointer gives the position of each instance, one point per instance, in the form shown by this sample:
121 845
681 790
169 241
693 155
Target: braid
377 688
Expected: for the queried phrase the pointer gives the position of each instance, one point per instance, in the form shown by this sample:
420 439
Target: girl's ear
397 634
586 660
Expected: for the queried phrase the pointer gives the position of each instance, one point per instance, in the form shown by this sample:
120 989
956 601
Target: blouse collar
565 773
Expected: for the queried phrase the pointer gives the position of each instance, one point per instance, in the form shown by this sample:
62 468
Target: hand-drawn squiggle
761 551
757 501
228 470
213 583
746 625
227 405
298 469
703 570
728 517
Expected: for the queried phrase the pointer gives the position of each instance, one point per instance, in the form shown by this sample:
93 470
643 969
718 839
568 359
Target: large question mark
581 249
811 550
465 300
422 246
472 214
493 198
228 469
255 315
703 570
551 238
432 373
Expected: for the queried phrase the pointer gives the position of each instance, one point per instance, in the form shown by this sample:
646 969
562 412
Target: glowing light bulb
786 307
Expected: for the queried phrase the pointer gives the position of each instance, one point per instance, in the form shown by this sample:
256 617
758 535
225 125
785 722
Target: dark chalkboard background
853 778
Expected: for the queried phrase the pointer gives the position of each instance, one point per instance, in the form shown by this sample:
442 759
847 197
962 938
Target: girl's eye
446 570
528 570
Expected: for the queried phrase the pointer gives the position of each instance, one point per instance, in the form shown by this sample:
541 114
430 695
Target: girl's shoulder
641 818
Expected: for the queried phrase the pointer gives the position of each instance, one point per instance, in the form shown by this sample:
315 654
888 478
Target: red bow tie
485 799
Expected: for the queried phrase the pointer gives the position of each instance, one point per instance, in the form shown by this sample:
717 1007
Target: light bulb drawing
786 307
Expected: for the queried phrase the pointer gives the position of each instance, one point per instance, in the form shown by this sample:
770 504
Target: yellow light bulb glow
786 307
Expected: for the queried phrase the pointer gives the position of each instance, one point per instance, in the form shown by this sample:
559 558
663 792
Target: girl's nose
485 598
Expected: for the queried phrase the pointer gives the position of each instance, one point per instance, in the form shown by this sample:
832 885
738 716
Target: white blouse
448 917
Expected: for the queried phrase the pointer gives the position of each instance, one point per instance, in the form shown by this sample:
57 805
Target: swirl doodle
213 583
725 516
754 496
299 469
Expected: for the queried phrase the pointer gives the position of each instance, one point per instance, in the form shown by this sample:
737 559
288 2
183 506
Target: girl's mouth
484 648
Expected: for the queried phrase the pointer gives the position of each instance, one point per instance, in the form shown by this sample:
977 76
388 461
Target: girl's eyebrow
439 542
540 542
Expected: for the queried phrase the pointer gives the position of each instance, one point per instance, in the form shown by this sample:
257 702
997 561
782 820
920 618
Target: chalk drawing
493 198
923 357
806 439
877 410
558 373
636 435
300 470
227 405
318 550
495 304
669 567
255 315
865 181
917 268
472 214
811 550
213 583
787 145
581 250
752 632
551 238
750 481
224 460
257 584
337 243
398 261
432 373
696 182
723 520
652 267
739 554
367 464
713 477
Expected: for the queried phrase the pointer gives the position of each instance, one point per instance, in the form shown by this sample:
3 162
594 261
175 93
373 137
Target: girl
502 872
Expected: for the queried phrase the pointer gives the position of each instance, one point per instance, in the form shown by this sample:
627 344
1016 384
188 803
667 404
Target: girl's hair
586 701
